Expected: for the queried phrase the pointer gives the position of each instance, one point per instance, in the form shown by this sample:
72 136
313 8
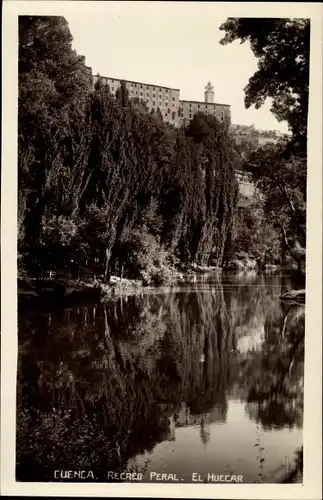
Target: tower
209 93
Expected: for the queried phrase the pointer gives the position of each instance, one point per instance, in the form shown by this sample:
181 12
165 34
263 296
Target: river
202 378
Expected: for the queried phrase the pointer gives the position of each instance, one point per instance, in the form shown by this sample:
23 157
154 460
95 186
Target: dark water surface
202 378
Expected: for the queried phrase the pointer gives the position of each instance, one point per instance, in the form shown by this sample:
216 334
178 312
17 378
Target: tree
282 179
255 234
53 87
102 180
282 49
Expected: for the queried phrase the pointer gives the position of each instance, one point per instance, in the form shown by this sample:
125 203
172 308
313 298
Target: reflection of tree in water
273 375
107 383
205 433
295 473
122 376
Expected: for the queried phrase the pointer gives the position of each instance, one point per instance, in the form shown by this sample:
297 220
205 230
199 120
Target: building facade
189 108
174 111
155 97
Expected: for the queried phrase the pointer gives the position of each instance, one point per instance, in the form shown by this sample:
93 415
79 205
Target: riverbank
64 291
43 292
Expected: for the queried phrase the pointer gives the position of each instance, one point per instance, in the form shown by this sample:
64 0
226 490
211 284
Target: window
173 115
190 105
173 105
141 86
154 103
182 114
166 103
135 85
153 110
173 98
136 92
154 88
141 94
160 103
112 88
160 96
166 115
112 81
147 100
190 115
166 90
154 95
198 106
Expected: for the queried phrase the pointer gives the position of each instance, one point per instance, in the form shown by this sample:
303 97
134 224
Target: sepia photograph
161 245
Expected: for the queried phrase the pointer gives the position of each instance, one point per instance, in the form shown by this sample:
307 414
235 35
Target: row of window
153 95
141 86
160 104
173 115
210 112
190 115
166 114
206 106
147 95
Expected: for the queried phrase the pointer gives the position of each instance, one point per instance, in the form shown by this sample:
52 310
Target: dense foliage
282 48
104 184
108 187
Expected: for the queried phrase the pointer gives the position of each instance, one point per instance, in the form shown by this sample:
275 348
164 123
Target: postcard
161 249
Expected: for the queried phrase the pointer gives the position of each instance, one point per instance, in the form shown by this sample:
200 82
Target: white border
311 487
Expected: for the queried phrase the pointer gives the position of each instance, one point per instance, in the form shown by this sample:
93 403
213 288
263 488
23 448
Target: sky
169 44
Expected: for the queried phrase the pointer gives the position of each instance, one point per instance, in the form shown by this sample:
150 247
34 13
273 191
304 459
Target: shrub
145 258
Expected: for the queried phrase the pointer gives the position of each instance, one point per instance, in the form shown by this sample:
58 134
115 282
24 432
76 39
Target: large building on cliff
180 112
167 100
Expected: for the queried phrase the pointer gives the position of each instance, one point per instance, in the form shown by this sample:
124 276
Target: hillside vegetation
108 188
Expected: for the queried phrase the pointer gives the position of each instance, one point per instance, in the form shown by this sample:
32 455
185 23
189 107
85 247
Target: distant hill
249 136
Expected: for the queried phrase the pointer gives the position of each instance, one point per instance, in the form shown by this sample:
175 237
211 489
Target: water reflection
107 387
